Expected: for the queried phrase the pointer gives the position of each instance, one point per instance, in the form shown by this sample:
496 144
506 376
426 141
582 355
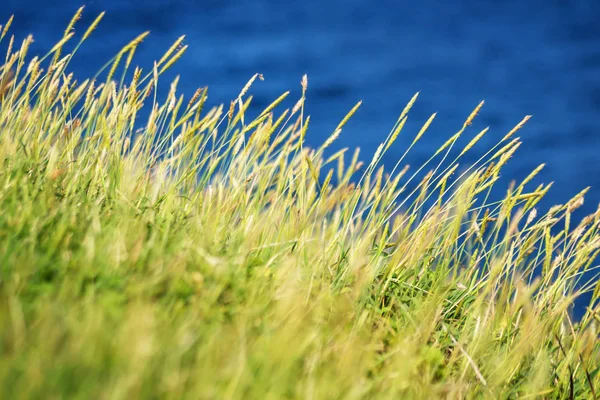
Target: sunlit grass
204 254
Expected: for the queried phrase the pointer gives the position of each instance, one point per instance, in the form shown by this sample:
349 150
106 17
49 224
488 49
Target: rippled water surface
522 57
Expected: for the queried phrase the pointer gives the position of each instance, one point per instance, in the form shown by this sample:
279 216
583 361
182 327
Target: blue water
539 57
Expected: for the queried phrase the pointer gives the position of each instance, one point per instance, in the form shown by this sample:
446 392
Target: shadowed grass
206 255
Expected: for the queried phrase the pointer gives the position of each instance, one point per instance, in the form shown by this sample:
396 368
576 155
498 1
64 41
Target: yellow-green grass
207 255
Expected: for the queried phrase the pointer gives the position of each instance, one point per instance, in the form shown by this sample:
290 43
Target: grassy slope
208 256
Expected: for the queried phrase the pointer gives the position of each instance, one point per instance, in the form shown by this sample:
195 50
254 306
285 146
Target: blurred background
539 57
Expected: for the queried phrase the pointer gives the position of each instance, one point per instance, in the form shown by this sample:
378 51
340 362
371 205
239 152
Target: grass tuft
191 258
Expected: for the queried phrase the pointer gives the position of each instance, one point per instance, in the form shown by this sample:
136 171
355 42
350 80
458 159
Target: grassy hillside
206 255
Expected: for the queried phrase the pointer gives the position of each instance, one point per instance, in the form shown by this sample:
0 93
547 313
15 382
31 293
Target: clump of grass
206 255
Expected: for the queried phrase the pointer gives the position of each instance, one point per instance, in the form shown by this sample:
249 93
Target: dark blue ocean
539 57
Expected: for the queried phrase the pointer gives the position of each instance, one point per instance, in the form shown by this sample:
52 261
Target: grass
207 255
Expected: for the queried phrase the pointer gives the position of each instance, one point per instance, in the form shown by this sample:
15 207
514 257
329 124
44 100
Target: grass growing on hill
210 256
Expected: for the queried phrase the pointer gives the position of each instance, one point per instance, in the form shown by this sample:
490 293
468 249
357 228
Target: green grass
210 256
